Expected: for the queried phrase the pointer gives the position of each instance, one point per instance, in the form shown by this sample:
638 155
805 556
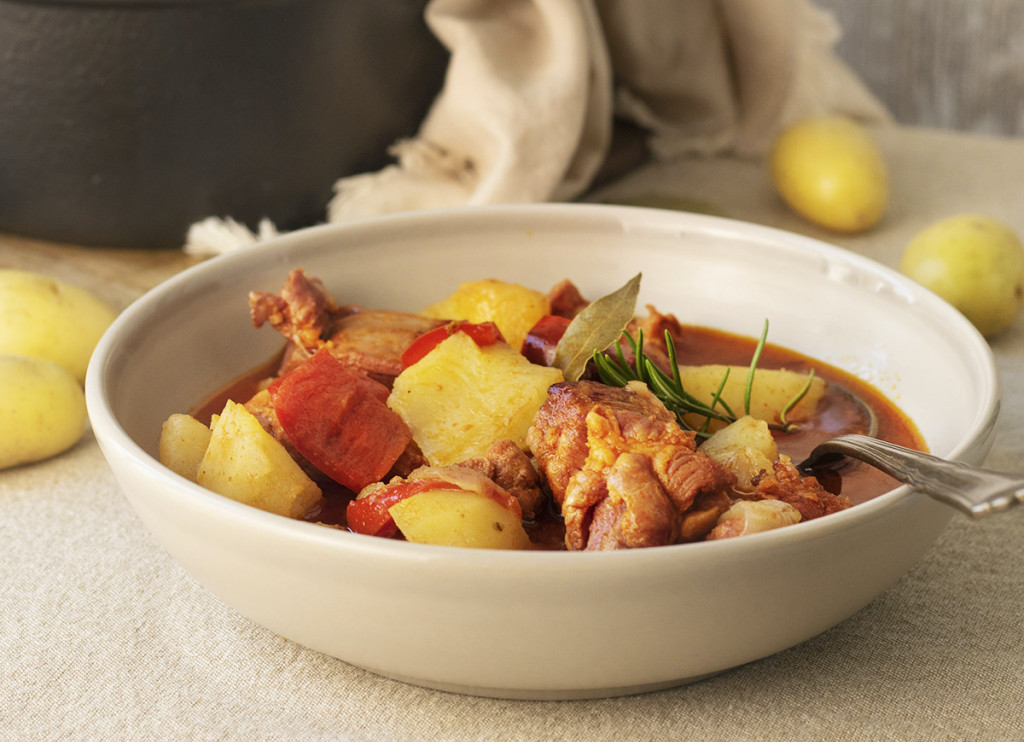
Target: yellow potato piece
47 318
183 443
829 170
247 464
513 308
745 447
42 410
459 518
771 392
460 398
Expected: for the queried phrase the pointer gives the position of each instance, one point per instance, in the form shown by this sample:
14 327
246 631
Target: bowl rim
116 442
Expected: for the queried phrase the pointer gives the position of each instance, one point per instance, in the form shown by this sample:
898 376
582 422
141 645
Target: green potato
42 410
974 262
47 318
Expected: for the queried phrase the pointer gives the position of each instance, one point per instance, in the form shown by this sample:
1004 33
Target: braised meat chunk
558 437
371 342
624 471
301 312
509 467
566 300
805 494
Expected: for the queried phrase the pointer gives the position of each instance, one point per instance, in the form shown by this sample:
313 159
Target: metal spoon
974 490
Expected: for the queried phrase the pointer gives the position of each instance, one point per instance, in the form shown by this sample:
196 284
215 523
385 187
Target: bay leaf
595 328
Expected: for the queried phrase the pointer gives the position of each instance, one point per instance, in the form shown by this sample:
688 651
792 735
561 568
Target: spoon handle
974 490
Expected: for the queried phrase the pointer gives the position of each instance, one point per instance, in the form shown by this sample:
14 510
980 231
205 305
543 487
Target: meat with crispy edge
364 340
805 494
301 312
624 471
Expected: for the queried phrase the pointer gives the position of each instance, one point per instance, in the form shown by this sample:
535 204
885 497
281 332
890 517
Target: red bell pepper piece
542 339
483 334
339 421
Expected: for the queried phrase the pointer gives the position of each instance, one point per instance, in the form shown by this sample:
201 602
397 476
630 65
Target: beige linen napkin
533 87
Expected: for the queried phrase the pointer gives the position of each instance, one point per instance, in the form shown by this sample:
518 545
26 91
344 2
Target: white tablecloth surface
104 637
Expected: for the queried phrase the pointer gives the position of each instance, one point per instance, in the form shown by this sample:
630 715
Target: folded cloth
533 87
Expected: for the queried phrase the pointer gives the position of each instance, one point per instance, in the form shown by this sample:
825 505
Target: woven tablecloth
104 637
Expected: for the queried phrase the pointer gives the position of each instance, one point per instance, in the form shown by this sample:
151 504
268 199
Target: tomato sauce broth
838 412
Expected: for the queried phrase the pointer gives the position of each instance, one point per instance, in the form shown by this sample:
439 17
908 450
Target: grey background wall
951 64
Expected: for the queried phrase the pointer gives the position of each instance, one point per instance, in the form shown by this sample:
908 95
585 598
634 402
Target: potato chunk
513 308
772 390
42 410
183 443
247 464
460 398
745 447
746 517
47 318
459 518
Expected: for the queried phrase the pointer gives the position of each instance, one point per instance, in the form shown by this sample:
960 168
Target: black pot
122 122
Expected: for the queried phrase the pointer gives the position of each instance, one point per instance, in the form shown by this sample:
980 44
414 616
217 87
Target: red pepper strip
339 421
483 334
542 339
370 514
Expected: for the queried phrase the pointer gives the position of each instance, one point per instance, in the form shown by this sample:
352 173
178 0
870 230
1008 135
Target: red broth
838 412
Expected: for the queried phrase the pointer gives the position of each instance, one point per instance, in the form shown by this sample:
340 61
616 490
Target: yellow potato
830 171
42 410
974 262
513 308
460 398
459 518
183 443
47 318
745 447
771 392
244 462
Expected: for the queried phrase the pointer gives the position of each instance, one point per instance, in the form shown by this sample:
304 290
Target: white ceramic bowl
536 624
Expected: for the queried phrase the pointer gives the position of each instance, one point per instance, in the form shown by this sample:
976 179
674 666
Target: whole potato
830 171
974 262
42 410
46 318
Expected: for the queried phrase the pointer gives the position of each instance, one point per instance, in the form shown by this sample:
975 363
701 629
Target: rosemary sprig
753 366
796 399
615 371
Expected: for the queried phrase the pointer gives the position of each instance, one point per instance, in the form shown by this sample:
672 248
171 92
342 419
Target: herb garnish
615 371
603 323
595 328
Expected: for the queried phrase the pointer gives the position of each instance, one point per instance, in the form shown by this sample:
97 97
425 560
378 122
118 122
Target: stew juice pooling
841 410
